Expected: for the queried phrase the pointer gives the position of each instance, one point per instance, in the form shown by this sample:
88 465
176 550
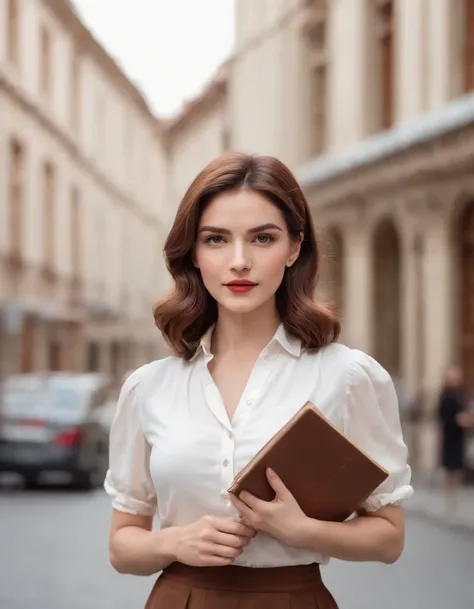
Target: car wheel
94 477
31 481
84 481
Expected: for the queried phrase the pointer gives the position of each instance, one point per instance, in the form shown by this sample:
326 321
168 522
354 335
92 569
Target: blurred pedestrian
251 346
455 419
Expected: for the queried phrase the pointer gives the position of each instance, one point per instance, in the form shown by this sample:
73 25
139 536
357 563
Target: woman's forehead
243 209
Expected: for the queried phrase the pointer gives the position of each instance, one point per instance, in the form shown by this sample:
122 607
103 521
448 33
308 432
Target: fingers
217 561
225 551
233 528
233 541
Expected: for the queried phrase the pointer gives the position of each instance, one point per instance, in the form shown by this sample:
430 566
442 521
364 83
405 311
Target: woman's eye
215 239
263 239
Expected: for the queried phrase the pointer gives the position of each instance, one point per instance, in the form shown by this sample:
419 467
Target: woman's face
242 249
454 378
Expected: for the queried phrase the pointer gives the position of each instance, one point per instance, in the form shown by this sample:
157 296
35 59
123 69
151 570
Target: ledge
453 116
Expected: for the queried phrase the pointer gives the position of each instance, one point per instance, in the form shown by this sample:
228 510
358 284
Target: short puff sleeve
128 481
372 422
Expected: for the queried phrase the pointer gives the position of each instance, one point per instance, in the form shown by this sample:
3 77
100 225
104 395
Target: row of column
428 321
426 302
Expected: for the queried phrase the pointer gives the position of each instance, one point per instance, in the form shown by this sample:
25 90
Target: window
45 59
469 45
17 178
386 61
93 357
74 92
315 31
48 214
13 32
54 356
76 231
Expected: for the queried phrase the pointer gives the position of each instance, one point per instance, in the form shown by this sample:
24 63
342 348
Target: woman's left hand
281 518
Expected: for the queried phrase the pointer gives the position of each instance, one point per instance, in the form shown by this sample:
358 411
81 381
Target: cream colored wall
265 79
269 84
192 148
119 166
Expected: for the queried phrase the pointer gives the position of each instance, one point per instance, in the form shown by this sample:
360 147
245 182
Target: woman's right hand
211 542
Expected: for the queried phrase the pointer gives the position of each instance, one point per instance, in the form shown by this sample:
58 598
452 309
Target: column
349 51
412 242
437 331
411 319
411 75
438 303
358 287
444 51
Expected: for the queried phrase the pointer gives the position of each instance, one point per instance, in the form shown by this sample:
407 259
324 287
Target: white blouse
174 451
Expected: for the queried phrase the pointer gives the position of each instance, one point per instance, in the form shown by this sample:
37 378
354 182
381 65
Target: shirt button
230 435
225 463
249 401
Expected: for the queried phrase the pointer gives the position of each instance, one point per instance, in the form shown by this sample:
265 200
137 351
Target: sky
168 48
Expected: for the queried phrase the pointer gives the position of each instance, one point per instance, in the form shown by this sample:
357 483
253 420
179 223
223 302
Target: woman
454 419
251 347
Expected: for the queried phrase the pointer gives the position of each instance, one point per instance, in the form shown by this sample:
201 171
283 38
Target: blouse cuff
377 501
127 504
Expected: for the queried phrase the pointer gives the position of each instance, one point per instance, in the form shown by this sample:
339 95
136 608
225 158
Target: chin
239 304
239 307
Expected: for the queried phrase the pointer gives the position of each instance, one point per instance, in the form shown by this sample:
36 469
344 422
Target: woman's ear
295 250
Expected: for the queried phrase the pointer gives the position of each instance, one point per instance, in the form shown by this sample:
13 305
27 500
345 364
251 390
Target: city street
53 554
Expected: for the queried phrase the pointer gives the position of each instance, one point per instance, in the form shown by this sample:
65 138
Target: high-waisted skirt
183 587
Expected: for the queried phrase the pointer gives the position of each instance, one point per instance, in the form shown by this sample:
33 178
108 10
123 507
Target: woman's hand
281 518
465 419
211 542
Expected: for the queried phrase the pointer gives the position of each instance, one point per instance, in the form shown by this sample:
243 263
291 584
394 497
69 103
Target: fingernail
270 471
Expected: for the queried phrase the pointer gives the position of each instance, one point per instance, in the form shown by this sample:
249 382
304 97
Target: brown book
329 476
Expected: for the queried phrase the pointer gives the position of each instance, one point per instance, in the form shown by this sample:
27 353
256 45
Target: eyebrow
226 231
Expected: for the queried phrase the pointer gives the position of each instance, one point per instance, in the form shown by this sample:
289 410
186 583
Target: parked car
56 422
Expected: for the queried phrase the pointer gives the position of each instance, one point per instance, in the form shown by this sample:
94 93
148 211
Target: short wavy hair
184 315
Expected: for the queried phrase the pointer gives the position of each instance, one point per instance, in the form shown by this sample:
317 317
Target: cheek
207 262
275 263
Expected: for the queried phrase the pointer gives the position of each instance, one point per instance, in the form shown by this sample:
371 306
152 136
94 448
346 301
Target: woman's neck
243 333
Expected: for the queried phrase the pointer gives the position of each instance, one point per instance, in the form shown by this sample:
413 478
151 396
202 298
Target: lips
240 286
241 282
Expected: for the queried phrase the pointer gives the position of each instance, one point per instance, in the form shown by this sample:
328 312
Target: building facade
371 103
82 191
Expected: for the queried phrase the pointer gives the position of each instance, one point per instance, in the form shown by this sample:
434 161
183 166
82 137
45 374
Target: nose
240 258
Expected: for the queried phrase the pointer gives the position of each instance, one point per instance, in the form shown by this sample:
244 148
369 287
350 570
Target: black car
56 422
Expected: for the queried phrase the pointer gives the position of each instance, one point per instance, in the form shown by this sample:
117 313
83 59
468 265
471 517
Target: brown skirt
183 587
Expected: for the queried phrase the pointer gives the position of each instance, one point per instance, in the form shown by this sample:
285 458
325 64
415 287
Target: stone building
371 103
82 190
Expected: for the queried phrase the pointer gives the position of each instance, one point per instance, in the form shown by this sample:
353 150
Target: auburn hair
185 314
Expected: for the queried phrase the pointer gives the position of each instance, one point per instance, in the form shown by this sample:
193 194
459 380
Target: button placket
227 461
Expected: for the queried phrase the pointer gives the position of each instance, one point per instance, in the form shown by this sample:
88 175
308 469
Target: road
53 554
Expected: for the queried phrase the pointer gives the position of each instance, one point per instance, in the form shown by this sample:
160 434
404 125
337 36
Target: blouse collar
290 343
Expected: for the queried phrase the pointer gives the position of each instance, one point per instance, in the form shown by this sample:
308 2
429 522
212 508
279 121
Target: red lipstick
240 286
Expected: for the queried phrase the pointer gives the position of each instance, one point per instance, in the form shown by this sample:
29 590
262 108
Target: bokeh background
108 109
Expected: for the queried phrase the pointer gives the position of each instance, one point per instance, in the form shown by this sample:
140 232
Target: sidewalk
429 502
